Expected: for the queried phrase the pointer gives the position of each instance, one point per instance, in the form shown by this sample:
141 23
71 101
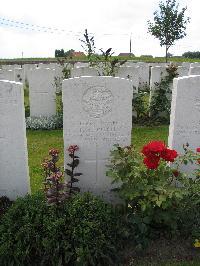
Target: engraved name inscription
188 130
91 131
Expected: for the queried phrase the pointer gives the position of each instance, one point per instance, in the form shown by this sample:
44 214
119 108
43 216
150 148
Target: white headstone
14 178
58 70
195 70
84 71
7 74
195 64
130 63
81 64
157 74
19 75
143 75
131 73
8 67
182 71
97 113
185 114
186 64
42 92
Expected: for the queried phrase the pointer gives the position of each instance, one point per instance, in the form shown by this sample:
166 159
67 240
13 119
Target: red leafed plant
56 190
70 172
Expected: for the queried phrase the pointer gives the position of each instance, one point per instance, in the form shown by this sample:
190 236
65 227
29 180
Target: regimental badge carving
97 101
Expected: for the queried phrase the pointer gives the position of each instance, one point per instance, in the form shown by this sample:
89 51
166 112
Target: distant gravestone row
42 85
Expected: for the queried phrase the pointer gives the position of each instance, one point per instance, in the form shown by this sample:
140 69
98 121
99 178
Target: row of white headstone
97 114
42 84
137 72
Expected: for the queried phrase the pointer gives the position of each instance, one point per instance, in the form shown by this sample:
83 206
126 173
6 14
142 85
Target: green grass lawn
39 143
84 59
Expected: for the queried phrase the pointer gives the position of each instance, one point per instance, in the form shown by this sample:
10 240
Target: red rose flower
73 148
152 162
198 149
169 155
153 148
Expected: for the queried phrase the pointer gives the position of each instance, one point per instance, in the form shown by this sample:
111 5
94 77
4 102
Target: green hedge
84 231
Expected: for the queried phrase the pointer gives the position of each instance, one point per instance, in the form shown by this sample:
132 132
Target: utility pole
130 44
22 58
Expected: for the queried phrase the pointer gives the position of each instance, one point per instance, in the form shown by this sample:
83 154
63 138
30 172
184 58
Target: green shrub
189 212
160 104
84 231
141 105
148 186
5 203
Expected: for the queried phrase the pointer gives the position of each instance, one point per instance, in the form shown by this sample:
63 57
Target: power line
34 27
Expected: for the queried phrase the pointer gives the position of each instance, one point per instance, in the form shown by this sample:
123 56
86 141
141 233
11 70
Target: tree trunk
166 50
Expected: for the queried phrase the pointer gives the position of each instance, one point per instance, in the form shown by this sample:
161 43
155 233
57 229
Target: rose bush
151 188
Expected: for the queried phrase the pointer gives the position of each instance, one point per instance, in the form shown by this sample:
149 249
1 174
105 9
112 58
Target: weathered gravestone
195 64
185 115
7 74
182 71
157 74
194 70
81 64
42 92
186 64
84 71
131 73
14 180
144 74
19 74
97 113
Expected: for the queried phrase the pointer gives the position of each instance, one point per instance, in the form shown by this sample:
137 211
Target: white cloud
119 18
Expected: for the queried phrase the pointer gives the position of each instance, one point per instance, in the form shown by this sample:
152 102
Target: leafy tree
169 24
191 54
69 53
59 53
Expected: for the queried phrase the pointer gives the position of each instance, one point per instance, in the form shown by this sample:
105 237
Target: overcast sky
110 21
